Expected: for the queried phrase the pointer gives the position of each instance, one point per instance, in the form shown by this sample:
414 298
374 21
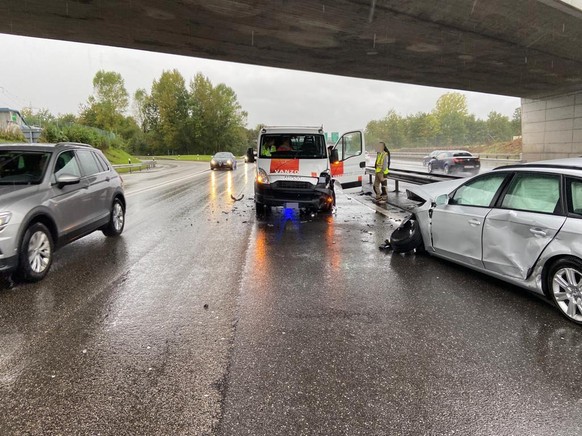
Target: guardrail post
396 186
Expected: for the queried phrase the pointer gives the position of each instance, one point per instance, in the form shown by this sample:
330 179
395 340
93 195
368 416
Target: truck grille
292 185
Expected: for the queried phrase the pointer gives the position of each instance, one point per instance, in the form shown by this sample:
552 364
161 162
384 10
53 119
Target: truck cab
296 168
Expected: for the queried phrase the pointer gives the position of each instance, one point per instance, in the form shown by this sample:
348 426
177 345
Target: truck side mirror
333 156
250 155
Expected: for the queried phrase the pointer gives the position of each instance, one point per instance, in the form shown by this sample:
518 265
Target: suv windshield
22 167
293 146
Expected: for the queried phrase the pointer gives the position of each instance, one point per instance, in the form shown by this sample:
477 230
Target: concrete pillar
552 127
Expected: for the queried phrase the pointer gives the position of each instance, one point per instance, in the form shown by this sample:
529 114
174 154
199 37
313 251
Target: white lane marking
166 183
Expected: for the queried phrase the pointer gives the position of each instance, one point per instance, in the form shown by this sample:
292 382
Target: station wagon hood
431 191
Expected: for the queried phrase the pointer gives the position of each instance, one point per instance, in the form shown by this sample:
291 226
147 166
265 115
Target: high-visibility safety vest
380 158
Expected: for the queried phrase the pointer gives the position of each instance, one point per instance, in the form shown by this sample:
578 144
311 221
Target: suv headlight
262 177
4 219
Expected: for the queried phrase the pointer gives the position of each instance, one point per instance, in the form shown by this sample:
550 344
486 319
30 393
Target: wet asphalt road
309 329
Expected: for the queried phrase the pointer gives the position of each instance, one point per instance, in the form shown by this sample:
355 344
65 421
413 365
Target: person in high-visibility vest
381 169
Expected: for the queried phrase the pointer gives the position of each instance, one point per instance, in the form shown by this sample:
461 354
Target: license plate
469 166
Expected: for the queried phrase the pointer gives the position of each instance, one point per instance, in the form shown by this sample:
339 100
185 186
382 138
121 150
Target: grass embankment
510 147
118 156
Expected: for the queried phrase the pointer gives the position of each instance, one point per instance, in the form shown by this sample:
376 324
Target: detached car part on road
295 167
50 195
521 224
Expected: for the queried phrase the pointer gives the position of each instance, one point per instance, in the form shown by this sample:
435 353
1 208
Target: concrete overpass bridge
526 48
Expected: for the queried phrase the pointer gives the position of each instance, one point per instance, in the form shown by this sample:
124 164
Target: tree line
197 117
173 117
448 124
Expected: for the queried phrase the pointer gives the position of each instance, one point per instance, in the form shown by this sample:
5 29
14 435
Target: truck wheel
407 237
36 253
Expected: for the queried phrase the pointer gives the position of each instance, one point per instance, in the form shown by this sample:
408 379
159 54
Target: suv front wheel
36 253
116 219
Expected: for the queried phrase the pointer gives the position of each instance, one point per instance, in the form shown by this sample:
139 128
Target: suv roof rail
79 144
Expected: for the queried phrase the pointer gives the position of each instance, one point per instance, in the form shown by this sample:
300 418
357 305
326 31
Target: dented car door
529 216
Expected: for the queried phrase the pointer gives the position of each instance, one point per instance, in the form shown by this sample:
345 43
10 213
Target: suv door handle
474 222
537 232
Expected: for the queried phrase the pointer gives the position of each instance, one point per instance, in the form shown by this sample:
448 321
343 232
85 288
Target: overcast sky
58 76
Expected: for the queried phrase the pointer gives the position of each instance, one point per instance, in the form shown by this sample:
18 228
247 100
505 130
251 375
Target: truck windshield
22 167
296 146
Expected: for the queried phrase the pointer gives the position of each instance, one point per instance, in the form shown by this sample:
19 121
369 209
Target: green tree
498 127
217 119
421 129
167 112
40 118
106 107
451 112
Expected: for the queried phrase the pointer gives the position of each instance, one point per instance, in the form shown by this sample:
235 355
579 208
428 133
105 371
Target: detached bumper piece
303 193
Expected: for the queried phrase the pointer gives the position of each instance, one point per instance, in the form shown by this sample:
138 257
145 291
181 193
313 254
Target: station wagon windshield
293 146
22 167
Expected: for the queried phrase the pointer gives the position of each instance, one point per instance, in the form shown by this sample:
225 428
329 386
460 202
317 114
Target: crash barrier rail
135 167
498 156
414 177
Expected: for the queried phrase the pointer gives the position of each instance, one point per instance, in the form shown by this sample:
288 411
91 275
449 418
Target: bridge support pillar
552 127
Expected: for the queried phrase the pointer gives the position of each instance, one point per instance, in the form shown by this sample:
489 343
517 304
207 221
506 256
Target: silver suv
50 195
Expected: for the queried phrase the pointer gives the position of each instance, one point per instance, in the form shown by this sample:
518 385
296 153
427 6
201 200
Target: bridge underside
526 48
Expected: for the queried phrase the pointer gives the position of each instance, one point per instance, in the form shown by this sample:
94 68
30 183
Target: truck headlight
262 177
4 219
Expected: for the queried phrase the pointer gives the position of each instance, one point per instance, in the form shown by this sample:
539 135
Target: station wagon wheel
36 253
116 219
565 288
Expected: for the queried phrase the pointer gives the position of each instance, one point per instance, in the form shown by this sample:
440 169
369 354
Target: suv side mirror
333 156
67 179
250 155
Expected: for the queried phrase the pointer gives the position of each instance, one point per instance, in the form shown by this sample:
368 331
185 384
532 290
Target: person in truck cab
284 146
268 147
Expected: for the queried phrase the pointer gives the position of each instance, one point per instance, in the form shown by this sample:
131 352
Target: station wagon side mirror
250 155
333 156
442 199
67 179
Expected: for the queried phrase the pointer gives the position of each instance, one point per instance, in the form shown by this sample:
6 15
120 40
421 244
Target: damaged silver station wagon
521 224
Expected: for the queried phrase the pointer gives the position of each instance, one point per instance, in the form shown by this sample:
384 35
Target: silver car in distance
521 224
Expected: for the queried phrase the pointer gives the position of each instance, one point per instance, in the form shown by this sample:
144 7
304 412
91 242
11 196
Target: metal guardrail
414 177
135 167
422 155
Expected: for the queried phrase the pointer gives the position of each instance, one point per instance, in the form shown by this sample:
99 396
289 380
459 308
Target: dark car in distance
223 160
452 161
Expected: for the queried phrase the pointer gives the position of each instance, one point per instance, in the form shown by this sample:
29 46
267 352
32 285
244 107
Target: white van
295 167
